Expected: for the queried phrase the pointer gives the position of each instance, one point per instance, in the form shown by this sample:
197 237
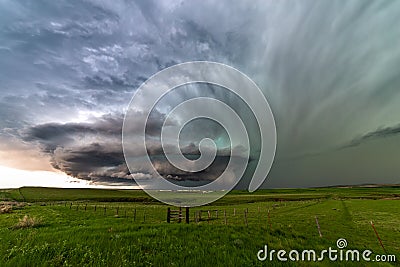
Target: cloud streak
383 132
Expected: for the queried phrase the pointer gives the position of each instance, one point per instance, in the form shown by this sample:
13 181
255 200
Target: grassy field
87 227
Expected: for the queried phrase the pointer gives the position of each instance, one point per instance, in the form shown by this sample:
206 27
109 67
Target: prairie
88 227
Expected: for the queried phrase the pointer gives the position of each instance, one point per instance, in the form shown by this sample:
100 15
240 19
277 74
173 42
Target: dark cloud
88 150
93 151
109 125
383 132
94 160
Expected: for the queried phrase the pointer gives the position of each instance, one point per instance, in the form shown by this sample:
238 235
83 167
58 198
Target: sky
330 70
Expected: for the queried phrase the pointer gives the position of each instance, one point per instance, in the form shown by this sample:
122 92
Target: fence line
254 215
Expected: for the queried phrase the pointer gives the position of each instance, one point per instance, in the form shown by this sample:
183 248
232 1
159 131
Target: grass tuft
28 222
5 209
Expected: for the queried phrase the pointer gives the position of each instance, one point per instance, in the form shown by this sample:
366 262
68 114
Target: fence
156 213
177 215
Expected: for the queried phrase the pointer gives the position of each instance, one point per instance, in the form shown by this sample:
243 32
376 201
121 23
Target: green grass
38 194
72 236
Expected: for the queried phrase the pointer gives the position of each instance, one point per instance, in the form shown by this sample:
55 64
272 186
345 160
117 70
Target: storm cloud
329 69
93 151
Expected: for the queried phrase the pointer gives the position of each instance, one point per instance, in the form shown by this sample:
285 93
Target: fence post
168 215
105 210
180 215
187 214
225 217
134 216
319 229
376 233
85 207
269 221
95 207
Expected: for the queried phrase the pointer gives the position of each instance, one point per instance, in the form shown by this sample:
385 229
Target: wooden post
95 207
144 216
117 211
85 207
77 207
225 217
187 214
105 210
168 215
209 216
319 229
70 206
134 216
245 218
234 211
376 233
269 221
